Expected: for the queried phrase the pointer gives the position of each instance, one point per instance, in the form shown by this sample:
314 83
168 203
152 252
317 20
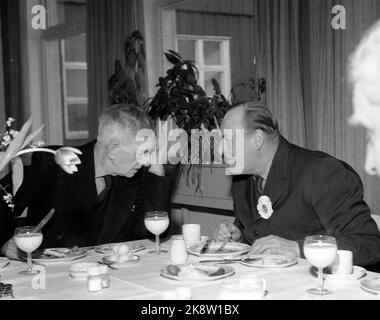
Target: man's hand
275 245
227 230
10 249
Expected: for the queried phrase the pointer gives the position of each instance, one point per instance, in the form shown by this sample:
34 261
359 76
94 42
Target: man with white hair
105 201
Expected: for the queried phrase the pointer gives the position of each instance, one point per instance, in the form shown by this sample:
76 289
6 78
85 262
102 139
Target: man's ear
113 148
258 139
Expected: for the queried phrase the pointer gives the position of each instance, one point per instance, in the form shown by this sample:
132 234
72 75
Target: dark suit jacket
74 197
311 193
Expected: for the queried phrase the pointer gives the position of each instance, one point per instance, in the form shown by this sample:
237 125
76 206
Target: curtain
327 93
305 63
10 35
277 34
109 22
2 102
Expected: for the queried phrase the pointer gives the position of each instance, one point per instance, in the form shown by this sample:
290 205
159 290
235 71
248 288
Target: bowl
80 270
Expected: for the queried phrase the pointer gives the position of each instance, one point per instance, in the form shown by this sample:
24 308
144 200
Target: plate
371 285
231 249
55 255
270 261
107 248
3 262
357 274
197 272
133 260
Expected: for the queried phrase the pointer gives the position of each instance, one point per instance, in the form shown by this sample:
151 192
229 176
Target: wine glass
28 239
320 251
156 222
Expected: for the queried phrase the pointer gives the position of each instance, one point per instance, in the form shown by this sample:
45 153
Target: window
212 58
74 71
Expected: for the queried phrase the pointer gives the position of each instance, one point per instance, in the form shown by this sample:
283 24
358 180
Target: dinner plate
371 285
230 249
107 248
68 254
133 260
197 272
270 261
3 262
358 273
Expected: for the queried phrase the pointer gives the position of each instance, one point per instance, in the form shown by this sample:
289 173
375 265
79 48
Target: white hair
120 122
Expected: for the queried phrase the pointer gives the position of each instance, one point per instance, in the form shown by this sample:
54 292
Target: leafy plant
181 98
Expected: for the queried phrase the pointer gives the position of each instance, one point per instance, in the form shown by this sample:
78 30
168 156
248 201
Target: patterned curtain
109 23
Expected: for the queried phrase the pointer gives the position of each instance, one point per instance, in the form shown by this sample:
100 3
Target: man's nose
370 162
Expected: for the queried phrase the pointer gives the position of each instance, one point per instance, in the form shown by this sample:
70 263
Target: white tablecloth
142 281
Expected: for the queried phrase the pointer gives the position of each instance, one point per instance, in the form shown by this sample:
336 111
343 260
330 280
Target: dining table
142 281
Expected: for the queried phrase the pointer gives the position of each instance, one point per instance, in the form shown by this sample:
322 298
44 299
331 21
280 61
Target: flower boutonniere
264 207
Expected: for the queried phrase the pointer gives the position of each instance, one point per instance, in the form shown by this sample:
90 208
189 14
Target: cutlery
230 260
221 248
108 265
45 220
205 247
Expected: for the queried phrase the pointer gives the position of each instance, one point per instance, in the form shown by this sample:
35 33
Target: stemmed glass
320 251
28 239
156 222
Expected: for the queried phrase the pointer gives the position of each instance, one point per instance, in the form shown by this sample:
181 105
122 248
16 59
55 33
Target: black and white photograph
198 152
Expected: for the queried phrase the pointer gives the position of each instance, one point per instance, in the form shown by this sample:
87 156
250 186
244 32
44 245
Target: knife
230 260
45 220
205 247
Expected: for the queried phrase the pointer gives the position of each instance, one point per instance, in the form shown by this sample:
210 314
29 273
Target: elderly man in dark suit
285 193
106 199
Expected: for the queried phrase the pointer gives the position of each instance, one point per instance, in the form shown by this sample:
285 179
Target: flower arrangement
14 143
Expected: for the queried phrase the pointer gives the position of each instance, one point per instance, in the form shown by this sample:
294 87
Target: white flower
67 159
10 121
264 207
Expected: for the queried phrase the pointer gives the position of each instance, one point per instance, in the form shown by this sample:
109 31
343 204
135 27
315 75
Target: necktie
108 182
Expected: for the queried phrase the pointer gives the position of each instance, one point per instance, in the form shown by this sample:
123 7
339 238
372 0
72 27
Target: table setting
186 266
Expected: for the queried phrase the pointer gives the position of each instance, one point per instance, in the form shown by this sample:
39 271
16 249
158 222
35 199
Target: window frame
224 67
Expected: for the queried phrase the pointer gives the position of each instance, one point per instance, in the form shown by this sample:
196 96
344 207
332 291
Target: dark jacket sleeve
154 195
337 197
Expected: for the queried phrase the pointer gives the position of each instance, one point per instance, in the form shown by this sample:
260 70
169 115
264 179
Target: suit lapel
123 195
276 185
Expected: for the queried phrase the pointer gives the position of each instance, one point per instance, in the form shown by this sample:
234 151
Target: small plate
133 260
357 274
231 249
197 272
67 255
371 285
3 262
107 248
270 261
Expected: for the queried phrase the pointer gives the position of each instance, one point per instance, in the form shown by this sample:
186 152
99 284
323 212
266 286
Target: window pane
75 48
208 81
77 117
76 81
186 49
212 54
61 11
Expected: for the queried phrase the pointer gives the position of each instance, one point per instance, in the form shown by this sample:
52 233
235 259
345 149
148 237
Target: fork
221 248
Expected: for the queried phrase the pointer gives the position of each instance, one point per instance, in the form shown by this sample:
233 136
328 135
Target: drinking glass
320 251
28 239
156 222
